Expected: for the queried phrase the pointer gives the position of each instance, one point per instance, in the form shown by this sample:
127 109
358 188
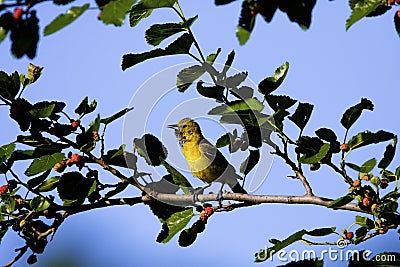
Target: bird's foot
198 192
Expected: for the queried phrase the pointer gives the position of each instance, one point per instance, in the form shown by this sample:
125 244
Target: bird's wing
208 150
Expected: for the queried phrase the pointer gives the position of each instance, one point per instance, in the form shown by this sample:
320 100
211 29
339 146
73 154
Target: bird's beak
173 126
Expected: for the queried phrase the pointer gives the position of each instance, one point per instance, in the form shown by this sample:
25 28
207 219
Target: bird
204 160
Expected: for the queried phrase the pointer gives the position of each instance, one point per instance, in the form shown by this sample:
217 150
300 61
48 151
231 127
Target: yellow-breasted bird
205 161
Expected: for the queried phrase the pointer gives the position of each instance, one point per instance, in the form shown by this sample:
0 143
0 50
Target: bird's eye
184 126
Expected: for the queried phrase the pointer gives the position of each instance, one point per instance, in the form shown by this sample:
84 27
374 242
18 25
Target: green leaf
235 80
322 231
115 11
159 32
179 46
64 19
212 57
144 8
326 134
224 140
117 115
277 102
228 63
176 222
323 151
302 115
42 109
367 138
39 203
340 201
364 222
368 166
239 105
49 184
86 108
44 163
9 85
265 254
250 162
120 157
353 166
151 149
6 151
187 76
3 231
35 181
215 92
178 178
388 156
246 23
353 113
3 35
397 22
270 84
360 9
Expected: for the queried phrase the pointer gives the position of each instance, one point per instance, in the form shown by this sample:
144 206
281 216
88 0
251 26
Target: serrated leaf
302 115
277 102
239 105
64 19
6 151
250 162
151 149
340 201
86 108
235 80
360 9
116 116
73 188
179 46
144 8
187 76
388 156
299 11
223 140
9 86
176 222
367 138
177 178
159 32
44 163
368 166
270 84
228 63
49 184
323 151
115 11
39 203
353 113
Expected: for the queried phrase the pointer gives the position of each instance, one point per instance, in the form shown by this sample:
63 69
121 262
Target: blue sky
329 67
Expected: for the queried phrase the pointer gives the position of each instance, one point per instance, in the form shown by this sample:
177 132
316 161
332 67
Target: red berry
365 177
391 2
75 124
17 14
95 136
349 235
384 183
398 11
344 147
366 202
253 12
208 211
3 189
60 166
75 158
383 230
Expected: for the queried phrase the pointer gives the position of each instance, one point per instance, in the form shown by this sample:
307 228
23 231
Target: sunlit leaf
270 84
115 11
64 19
44 163
353 113
367 138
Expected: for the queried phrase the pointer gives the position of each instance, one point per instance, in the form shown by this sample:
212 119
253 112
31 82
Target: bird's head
187 130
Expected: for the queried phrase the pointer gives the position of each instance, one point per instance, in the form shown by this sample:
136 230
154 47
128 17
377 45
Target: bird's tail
237 188
234 184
